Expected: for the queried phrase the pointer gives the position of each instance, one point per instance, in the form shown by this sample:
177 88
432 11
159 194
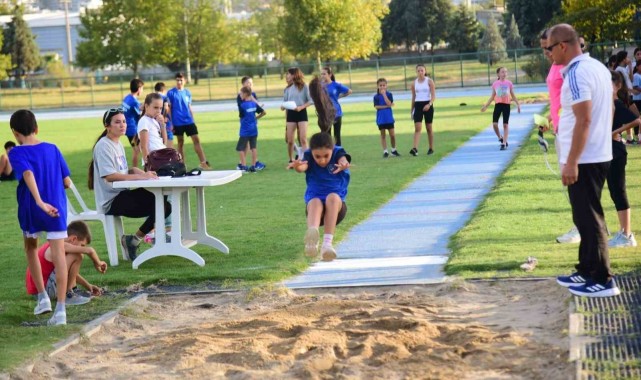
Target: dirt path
506 330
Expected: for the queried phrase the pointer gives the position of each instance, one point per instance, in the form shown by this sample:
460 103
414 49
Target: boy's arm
30 181
67 182
261 115
100 265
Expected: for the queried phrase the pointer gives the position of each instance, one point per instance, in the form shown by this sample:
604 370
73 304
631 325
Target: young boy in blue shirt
250 112
43 176
132 111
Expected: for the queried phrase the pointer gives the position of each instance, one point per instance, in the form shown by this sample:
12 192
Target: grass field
261 216
360 77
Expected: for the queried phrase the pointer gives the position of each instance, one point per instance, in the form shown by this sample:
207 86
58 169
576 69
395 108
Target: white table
182 234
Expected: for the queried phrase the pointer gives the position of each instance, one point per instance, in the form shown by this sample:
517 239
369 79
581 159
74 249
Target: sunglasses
111 112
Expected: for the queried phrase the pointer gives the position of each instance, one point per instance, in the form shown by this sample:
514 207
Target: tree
332 29
5 62
20 44
210 40
464 30
601 20
513 40
269 31
412 22
532 16
492 44
129 33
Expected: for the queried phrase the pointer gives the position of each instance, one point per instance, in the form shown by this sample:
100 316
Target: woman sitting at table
109 165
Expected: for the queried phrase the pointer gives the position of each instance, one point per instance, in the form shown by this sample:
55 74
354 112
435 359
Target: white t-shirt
422 90
626 74
108 158
584 79
153 128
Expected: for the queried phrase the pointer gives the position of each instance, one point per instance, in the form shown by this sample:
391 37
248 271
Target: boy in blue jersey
250 112
42 175
383 102
182 118
169 130
131 109
247 82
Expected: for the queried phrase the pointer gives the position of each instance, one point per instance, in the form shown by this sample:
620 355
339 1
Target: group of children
43 176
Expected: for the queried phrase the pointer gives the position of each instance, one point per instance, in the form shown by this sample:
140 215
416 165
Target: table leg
175 247
201 235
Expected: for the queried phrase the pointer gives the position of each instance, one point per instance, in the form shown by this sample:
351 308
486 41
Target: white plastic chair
112 225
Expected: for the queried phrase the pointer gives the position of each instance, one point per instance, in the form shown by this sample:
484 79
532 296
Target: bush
537 67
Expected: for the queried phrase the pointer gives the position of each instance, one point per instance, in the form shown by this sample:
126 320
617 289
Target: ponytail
91 169
324 107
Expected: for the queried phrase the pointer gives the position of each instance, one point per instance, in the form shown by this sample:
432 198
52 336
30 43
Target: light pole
68 28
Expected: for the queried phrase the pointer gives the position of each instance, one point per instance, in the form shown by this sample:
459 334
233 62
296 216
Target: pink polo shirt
554 82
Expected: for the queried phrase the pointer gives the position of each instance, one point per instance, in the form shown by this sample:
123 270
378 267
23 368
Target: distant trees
532 16
133 34
464 30
513 40
332 29
412 22
20 45
601 20
492 46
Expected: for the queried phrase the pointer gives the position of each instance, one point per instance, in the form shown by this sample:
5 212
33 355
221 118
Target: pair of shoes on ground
504 144
584 286
44 306
414 152
312 237
254 168
394 154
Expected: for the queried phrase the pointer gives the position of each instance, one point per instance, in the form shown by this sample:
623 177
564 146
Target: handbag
161 157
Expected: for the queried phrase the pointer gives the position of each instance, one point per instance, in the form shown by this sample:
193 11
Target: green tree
492 46
209 38
412 22
20 44
532 16
513 40
332 29
601 20
464 30
268 31
133 34
5 62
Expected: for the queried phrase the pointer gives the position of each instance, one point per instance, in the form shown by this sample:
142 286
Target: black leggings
501 108
616 183
338 123
138 203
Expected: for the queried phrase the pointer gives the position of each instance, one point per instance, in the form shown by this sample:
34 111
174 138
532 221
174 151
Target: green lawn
260 216
525 212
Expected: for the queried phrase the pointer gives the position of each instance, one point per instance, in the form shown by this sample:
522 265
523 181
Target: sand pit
506 330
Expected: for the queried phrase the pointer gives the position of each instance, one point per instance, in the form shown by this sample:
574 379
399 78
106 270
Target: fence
447 70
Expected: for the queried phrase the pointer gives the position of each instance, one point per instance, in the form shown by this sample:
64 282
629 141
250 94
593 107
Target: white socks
327 239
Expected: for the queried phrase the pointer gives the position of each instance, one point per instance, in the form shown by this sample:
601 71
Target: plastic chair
112 225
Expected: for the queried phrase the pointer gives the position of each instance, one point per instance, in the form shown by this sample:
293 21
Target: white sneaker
311 242
43 306
59 318
74 299
620 240
328 253
570 237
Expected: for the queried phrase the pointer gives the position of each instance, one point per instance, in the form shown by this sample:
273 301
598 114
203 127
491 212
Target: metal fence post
489 80
405 74
30 95
433 78
265 77
93 99
460 58
122 94
349 73
209 78
377 69
62 94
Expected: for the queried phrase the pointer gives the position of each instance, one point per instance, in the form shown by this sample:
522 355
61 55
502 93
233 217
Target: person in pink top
502 95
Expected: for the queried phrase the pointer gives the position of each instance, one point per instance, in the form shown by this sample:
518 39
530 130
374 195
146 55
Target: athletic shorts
501 109
419 114
50 235
296 117
242 143
386 126
341 214
190 130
